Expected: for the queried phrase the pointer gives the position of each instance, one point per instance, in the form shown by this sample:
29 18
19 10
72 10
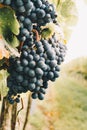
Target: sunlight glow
77 45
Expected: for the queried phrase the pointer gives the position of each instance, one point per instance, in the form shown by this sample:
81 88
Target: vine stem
28 111
37 35
20 46
21 107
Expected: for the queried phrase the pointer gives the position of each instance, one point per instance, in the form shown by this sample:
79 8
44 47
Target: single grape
24 62
40 96
34 95
39 71
17 100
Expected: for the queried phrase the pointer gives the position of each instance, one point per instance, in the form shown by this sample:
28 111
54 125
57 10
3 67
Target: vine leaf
9 25
9 29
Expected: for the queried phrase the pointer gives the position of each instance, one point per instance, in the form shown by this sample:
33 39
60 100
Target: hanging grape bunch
41 51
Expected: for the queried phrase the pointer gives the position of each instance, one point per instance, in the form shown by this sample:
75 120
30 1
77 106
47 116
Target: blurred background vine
67 15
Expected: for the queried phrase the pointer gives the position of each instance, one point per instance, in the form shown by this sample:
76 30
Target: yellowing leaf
1 5
0 37
65 41
4 53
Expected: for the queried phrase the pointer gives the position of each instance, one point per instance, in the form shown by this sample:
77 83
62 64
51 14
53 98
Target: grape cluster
39 59
30 12
35 67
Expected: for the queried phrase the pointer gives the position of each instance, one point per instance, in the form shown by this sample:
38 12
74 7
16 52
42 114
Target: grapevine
41 51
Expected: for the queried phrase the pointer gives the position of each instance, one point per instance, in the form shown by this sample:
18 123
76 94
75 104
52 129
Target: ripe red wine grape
39 60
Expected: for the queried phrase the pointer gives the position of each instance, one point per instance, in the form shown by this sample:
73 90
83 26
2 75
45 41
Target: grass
72 104
71 91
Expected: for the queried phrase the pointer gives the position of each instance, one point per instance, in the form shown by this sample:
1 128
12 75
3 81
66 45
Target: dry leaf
3 51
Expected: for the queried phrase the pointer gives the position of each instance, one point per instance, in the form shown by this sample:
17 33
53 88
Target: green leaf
67 15
8 20
71 20
15 42
9 25
2 62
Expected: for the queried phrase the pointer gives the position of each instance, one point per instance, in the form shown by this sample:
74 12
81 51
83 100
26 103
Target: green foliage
2 62
9 26
46 33
37 121
48 30
56 2
68 8
67 15
77 67
72 104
